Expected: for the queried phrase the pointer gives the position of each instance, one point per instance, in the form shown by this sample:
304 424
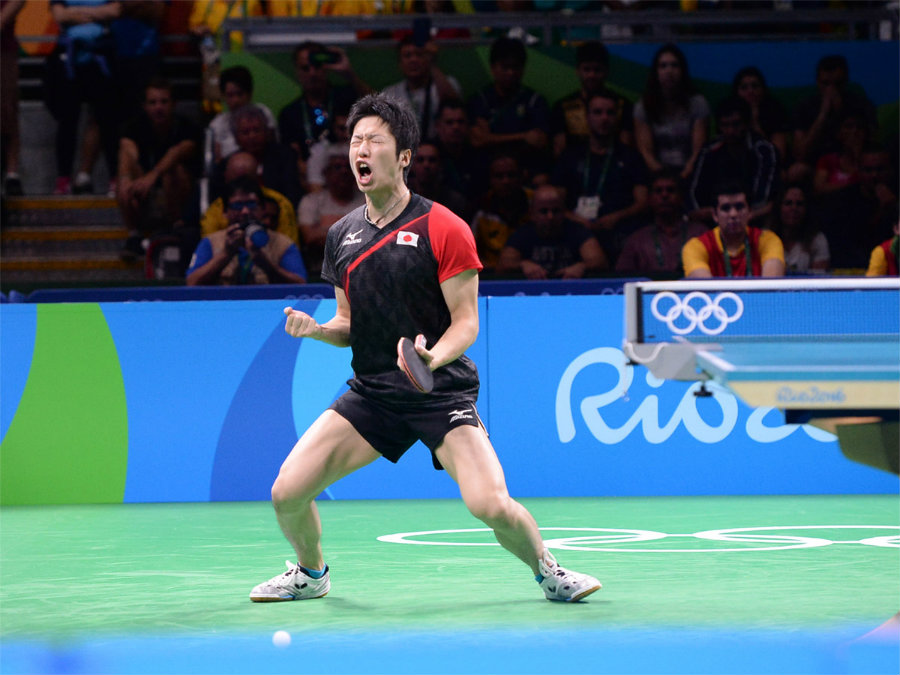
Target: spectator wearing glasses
247 251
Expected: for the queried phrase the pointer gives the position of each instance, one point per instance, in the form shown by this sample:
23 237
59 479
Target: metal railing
547 28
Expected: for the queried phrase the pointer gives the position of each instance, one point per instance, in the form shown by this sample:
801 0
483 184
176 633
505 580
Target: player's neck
382 208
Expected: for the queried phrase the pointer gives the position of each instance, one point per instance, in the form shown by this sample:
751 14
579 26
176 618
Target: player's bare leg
329 450
469 458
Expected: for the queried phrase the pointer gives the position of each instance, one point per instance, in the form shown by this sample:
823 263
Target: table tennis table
825 351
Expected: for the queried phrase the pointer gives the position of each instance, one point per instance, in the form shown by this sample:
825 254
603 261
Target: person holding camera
247 251
310 117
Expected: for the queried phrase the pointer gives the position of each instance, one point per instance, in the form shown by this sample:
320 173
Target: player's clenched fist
300 324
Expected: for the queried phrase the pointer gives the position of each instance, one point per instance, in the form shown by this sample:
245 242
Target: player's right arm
335 331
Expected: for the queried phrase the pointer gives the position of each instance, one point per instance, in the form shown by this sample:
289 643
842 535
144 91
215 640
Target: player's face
732 214
373 157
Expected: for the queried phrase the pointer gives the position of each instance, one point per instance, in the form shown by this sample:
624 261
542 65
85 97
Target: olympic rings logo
613 540
696 316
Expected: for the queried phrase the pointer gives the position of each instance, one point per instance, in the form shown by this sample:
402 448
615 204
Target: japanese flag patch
408 238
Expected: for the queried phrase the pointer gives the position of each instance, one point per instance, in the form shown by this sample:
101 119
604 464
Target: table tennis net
722 310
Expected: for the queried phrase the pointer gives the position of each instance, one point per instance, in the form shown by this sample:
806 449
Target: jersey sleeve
452 243
877 263
770 246
694 256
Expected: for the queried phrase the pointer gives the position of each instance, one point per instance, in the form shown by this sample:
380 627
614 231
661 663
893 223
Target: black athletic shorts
393 428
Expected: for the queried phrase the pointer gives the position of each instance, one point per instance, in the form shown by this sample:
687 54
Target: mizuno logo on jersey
407 239
352 238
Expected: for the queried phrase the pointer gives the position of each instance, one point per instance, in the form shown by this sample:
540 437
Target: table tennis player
408 267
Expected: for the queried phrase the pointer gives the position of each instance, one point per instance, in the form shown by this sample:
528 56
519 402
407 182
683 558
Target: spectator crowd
667 185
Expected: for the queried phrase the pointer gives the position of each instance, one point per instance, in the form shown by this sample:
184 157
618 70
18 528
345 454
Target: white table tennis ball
281 638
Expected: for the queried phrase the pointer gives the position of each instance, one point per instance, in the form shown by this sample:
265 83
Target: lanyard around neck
727 258
601 181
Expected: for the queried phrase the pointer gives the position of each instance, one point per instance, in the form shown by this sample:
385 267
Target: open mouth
363 173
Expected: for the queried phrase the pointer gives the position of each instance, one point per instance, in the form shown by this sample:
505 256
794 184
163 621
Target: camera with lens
323 57
257 232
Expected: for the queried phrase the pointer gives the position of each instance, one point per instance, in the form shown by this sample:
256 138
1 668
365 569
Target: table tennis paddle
414 366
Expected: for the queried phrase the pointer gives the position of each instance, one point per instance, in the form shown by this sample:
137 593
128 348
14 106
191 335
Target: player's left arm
461 295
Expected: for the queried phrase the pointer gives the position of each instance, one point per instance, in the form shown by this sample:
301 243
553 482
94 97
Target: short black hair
508 49
394 112
734 104
239 75
592 51
668 173
242 184
831 62
603 92
729 187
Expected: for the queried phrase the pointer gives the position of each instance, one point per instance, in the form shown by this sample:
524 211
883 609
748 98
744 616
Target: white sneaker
562 584
291 585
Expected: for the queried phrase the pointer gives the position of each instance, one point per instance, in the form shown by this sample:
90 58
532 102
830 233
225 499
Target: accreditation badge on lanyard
588 206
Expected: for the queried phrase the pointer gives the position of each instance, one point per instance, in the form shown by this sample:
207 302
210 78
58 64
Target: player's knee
287 495
493 510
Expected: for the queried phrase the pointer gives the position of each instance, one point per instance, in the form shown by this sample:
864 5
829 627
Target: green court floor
691 584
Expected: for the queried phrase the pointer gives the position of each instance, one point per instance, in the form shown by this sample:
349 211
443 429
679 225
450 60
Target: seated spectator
769 118
508 116
310 117
550 246
240 164
605 181
860 216
738 154
733 248
655 248
504 207
277 163
463 166
671 119
158 157
817 118
424 84
426 179
805 247
320 210
885 258
836 170
236 85
568 119
246 252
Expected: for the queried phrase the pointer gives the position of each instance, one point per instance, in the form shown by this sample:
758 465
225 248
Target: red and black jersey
392 278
